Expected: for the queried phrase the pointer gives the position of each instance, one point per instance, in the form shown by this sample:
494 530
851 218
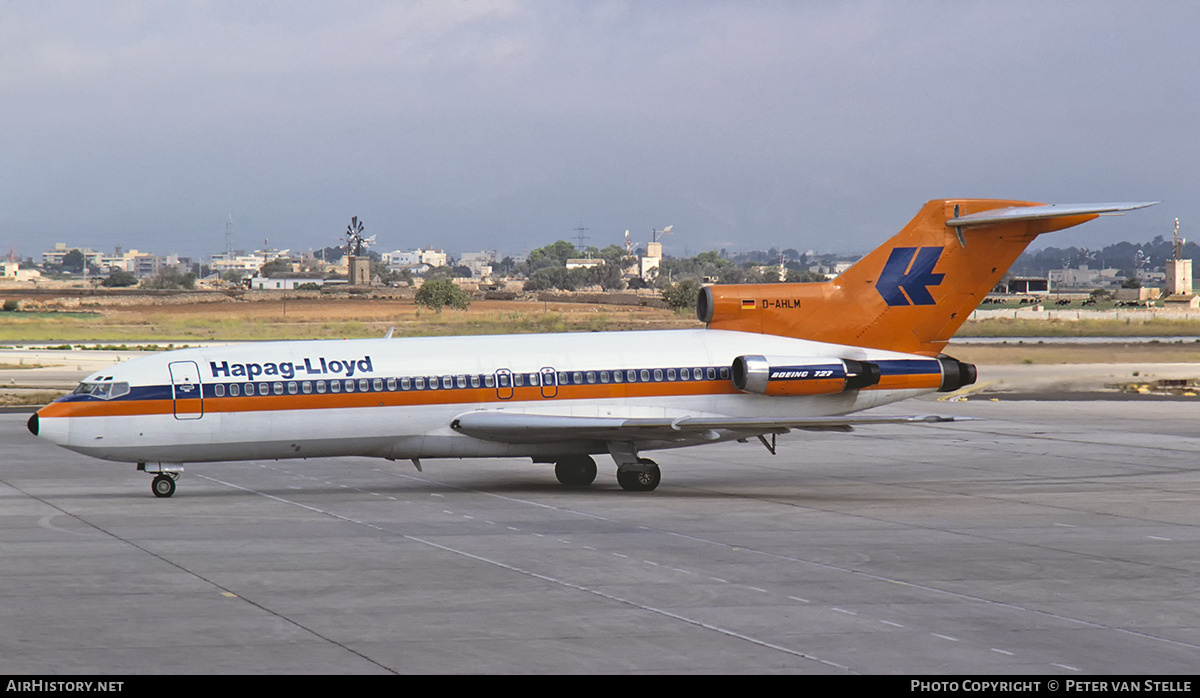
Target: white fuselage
208 404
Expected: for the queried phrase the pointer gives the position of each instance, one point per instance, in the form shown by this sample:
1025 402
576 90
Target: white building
248 263
1083 277
262 283
480 263
12 271
399 259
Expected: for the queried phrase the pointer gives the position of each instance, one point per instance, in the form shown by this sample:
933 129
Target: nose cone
33 424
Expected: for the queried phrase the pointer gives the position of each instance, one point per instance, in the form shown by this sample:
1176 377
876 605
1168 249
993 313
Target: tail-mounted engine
781 375
791 375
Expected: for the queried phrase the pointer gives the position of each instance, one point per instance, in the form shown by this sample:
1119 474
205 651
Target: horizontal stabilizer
1032 213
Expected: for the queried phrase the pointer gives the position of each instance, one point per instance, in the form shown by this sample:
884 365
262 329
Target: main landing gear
643 476
634 475
163 484
575 471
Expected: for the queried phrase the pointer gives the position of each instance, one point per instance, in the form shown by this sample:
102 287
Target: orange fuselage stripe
412 398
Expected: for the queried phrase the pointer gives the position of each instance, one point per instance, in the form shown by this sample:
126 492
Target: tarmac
1048 538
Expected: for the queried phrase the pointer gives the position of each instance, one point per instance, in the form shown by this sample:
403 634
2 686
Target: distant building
12 271
480 263
242 262
280 283
1022 284
399 260
584 263
649 263
1179 277
1083 277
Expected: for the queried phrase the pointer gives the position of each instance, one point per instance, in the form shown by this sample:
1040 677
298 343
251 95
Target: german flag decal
748 305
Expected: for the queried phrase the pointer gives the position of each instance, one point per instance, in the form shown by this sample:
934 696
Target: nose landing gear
163 484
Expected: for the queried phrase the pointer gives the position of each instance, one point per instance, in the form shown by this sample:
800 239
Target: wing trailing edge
520 427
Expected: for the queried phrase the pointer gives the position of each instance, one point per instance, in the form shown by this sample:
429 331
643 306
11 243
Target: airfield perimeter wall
1130 314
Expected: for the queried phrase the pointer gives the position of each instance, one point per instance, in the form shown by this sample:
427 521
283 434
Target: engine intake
784 375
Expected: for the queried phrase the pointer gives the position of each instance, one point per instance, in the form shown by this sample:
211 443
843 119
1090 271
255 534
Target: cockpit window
104 390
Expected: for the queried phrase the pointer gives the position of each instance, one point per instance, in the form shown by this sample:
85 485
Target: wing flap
518 427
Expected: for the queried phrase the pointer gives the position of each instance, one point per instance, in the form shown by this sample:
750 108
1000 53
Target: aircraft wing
518 427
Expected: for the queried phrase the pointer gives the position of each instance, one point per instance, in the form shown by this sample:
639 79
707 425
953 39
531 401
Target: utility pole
581 237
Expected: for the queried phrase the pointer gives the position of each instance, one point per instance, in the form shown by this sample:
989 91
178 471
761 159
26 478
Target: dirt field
312 318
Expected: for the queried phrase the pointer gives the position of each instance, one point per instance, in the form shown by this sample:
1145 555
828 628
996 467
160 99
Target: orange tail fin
912 293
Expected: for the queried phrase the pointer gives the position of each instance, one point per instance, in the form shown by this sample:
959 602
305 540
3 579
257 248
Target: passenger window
391 383
616 376
249 388
349 386
645 376
577 378
306 387
335 386
474 381
534 379
320 387
518 379
293 387
710 372
219 390
277 388
658 374
591 376
489 381
460 382
697 373
376 384
405 384
604 376
264 389
419 382
724 373
670 374
447 382
234 389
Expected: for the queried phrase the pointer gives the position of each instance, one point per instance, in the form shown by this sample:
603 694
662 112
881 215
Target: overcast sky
470 124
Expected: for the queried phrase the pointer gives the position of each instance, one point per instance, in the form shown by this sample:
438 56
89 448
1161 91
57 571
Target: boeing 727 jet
773 358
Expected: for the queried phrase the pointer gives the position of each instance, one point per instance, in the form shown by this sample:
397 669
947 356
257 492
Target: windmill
1179 242
355 242
1179 271
358 267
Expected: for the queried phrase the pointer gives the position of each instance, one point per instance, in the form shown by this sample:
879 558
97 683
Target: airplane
772 358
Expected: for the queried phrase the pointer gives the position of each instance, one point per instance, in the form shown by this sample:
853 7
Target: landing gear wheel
644 479
163 486
575 471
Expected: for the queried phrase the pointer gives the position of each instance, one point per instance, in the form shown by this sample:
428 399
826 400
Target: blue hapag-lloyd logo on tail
906 279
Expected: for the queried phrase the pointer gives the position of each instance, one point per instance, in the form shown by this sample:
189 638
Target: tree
73 261
803 276
682 295
550 277
279 265
436 294
553 255
119 279
171 278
